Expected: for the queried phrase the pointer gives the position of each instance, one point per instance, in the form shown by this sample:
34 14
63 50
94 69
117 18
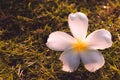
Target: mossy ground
26 24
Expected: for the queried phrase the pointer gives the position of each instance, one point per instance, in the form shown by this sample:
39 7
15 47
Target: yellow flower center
79 45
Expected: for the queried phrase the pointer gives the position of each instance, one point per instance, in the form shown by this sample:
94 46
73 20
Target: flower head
79 46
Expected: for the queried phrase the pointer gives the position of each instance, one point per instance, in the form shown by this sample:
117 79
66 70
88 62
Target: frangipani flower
79 46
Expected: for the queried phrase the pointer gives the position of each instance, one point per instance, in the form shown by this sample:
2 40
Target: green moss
26 24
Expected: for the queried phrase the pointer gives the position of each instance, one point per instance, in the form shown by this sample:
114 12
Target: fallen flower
79 46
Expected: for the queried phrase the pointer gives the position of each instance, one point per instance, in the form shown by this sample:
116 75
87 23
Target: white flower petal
93 60
78 24
70 60
99 39
59 41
